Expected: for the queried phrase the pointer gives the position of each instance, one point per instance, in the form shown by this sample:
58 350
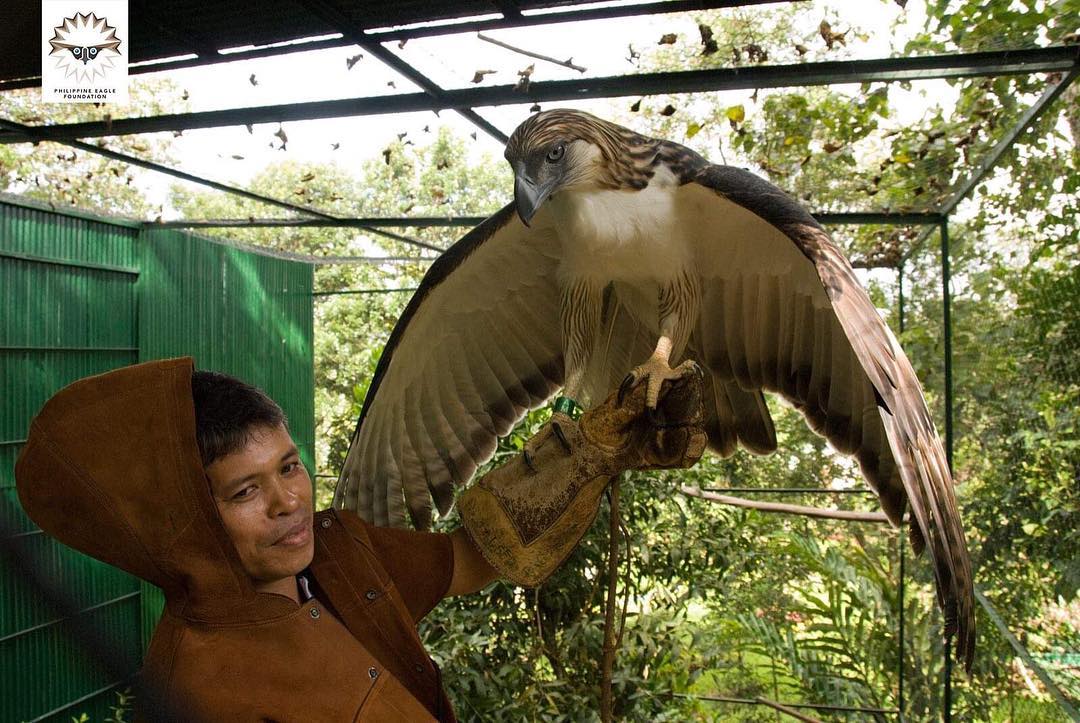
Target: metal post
903 615
900 292
900 536
946 298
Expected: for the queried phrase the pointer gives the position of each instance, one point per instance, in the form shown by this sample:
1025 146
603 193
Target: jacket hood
111 467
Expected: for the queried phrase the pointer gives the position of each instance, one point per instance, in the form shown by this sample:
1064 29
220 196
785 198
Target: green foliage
120 710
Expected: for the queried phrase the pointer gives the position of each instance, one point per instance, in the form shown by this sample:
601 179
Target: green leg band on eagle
567 406
526 523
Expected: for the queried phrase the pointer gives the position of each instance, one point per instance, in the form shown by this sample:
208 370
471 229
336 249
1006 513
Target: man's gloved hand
526 521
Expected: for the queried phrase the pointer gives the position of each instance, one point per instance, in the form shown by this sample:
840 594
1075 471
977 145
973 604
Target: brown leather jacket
111 468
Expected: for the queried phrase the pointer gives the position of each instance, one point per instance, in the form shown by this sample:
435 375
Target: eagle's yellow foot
655 372
552 429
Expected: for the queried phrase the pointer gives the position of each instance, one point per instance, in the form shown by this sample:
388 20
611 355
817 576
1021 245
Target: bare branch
790 711
568 63
828 514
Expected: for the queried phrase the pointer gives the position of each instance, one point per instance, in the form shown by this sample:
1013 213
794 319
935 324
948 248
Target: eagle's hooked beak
528 196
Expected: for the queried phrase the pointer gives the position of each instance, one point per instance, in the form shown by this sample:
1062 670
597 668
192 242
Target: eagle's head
561 149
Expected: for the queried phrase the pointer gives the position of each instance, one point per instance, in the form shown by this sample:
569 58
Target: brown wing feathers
915 445
477 346
805 330
839 364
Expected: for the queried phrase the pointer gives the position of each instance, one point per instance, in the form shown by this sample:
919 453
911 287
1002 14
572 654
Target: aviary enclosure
736 596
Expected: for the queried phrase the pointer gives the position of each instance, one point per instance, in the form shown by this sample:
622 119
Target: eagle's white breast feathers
622 235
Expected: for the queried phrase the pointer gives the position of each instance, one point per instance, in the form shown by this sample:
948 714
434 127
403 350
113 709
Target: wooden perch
568 63
828 514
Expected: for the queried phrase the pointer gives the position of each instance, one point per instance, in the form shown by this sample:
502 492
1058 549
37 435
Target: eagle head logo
84 47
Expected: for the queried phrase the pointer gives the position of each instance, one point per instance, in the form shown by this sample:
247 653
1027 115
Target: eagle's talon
655 371
687 368
628 383
528 460
561 436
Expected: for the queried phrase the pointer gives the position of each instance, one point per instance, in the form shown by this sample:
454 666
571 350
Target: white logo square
85 51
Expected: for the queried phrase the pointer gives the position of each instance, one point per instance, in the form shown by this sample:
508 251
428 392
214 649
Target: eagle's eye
555 154
93 52
76 52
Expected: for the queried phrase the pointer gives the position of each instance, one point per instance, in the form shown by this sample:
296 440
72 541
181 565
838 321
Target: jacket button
371 594
315 613
372 673
325 523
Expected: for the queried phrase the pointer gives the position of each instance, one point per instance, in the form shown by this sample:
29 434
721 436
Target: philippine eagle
622 252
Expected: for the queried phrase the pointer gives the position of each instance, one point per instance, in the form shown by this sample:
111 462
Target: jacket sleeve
420 564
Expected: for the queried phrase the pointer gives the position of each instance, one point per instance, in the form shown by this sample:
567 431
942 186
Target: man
192 482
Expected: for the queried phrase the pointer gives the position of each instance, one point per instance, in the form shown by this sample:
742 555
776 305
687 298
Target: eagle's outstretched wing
477 346
783 311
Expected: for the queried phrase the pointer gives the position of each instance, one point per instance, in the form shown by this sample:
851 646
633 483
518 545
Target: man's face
263 494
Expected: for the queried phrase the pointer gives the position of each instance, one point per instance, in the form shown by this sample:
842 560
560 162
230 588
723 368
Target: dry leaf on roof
756 53
524 79
831 37
708 43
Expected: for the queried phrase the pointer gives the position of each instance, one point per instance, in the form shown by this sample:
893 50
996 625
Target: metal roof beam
184 176
356 33
876 218
828 218
508 8
968 185
992 63
567 16
1026 120
447 28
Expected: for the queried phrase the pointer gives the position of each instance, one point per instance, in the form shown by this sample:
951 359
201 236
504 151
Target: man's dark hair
228 412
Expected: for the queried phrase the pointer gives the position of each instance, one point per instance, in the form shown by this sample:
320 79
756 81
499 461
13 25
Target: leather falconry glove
526 519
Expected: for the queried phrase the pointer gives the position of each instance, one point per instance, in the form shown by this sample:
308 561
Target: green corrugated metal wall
235 312
82 296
